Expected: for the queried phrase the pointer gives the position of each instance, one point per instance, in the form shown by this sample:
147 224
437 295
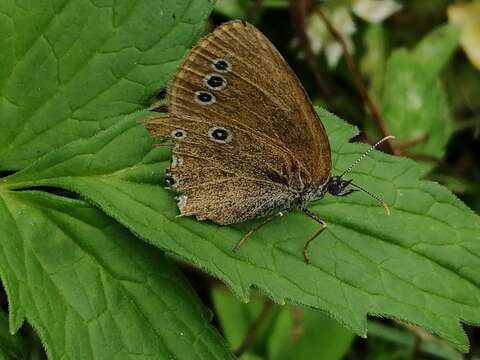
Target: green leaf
407 339
415 106
285 333
101 62
93 291
306 334
70 69
418 265
11 346
414 102
436 48
373 61
233 9
236 318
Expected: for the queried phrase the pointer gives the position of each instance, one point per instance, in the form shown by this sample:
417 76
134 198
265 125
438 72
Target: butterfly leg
254 229
313 216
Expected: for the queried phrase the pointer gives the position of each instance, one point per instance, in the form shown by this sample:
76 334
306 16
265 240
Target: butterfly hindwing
216 178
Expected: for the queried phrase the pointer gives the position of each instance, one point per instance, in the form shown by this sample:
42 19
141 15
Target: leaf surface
415 105
93 291
418 265
70 69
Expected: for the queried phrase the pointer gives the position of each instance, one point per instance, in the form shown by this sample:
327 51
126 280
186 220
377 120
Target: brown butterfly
247 141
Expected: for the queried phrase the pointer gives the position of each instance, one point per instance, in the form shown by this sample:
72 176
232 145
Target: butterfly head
338 186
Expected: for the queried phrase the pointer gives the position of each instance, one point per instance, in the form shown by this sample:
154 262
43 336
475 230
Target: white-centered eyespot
221 65
178 134
204 98
215 81
220 135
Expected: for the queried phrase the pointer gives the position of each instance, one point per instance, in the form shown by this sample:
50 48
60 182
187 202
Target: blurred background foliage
408 68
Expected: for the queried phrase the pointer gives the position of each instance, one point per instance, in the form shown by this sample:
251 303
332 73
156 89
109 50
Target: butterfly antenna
384 204
366 153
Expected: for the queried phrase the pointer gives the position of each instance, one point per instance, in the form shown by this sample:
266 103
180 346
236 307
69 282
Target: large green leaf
414 105
93 291
70 69
418 265
71 73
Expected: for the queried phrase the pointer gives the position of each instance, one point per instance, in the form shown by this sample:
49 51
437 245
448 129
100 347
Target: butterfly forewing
261 93
252 136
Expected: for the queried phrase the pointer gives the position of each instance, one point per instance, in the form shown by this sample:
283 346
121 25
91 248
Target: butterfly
247 142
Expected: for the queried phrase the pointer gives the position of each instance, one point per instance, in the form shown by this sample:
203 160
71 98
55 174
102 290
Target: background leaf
91 290
235 318
232 9
436 48
315 336
414 105
70 69
407 340
11 346
373 62
285 332
418 265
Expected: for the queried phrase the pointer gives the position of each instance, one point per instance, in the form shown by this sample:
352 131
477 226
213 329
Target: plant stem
251 335
358 82
298 11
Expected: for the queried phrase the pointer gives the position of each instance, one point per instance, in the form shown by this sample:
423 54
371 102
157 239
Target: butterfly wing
260 91
230 180
235 80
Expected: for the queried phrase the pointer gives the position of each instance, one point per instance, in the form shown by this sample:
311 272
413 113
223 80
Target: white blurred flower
321 39
467 17
373 11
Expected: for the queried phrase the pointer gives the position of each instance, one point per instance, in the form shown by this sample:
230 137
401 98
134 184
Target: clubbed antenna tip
387 209
384 204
